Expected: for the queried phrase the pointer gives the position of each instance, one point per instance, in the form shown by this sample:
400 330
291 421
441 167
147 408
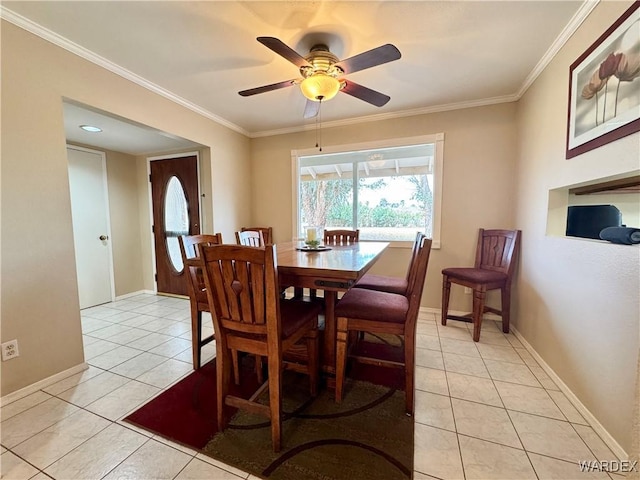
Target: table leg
329 339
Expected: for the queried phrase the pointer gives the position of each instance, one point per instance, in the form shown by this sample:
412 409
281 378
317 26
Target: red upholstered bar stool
362 310
388 284
496 256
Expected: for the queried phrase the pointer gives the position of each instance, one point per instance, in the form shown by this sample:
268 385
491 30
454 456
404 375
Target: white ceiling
454 53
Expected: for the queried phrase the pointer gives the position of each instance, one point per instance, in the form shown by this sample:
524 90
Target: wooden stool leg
313 365
446 290
259 369
222 383
236 367
409 358
341 355
506 307
478 309
196 336
275 402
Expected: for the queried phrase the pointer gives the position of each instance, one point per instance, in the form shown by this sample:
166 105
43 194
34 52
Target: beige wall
39 299
479 167
578 300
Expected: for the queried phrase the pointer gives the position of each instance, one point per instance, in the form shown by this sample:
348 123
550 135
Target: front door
176 211
89 211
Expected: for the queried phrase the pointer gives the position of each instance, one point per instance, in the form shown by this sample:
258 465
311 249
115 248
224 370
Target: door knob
103 237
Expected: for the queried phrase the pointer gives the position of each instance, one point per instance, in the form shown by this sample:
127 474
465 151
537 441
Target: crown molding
571 27
62 42
386 116
583 12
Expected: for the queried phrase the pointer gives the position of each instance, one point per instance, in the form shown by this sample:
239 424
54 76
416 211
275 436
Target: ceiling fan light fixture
320 87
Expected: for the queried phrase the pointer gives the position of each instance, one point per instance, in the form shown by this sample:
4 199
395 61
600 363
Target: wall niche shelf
621 191
622 185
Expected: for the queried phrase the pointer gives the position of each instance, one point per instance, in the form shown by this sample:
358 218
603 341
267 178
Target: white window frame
436 139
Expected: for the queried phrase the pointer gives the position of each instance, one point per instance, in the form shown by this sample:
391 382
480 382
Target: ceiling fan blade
371 58
283 50
267 88
311 109
363 93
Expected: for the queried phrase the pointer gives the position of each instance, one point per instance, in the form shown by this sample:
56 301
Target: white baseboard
606 437
584 411
34 387
133 294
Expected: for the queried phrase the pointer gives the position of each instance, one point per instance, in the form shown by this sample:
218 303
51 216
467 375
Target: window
388 189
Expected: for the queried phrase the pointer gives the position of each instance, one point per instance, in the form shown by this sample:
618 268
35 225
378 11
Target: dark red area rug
366 437
186 412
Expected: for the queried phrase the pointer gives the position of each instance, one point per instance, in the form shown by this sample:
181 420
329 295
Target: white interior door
91 233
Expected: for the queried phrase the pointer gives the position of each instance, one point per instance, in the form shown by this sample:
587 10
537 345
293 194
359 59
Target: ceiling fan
322 73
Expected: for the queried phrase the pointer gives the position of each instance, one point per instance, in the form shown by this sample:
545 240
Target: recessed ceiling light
90 128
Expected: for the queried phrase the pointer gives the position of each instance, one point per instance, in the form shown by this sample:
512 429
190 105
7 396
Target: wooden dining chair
384 283
250 238
372 311
242 287
496 255
341 237
196 289
267 232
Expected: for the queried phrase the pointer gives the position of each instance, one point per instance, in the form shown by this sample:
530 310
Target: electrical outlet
10 350
467 290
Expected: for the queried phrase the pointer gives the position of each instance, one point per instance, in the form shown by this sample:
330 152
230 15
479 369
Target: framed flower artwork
604 87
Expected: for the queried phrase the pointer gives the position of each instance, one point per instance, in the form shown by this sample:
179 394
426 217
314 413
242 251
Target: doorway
176 211
91 226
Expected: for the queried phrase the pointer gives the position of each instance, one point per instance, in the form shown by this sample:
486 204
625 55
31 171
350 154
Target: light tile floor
484 410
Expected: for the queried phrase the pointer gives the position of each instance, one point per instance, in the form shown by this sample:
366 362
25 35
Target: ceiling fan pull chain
320 123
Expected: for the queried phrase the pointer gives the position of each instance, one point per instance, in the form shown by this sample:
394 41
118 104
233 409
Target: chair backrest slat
418 277
243 288
414 255
341 237
250 238
267 233
192 263
188 243
497 250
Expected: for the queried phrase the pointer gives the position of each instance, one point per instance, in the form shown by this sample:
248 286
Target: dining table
332 269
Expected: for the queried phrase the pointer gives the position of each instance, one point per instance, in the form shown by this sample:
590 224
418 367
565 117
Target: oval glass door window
176 220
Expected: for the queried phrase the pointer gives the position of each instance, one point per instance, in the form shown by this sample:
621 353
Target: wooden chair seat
383 283
380 307
476 276
373 311
496 255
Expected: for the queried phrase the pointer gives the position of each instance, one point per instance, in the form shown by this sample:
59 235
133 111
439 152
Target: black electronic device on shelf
587 221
